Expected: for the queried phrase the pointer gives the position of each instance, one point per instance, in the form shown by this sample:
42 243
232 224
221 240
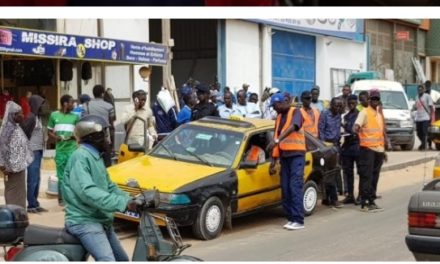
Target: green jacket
89 194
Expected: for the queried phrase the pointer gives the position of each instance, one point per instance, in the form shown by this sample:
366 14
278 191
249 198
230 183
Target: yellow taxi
205 179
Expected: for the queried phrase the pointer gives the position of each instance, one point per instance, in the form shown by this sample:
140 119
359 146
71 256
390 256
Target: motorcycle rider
90 197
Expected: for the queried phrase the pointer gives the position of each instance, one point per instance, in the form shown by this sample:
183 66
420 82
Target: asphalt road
330 235
345 234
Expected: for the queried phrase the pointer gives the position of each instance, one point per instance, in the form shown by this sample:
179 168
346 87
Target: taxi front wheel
210 219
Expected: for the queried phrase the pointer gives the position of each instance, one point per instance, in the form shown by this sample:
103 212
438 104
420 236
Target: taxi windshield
208 146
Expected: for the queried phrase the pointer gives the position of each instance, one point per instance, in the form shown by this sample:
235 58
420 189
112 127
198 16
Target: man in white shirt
269 113
228 108
247 109
134 127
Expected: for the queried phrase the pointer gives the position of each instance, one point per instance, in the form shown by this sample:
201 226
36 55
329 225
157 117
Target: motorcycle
40 243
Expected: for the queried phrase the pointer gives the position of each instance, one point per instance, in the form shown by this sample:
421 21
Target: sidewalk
401 159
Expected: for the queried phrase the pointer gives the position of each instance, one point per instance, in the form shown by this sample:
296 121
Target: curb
403 165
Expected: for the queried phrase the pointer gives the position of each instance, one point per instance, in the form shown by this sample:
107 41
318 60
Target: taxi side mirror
248 164
135 147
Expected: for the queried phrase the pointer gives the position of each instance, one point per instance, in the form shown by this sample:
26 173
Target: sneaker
41 209
32 210
336 204
295 226
349 200
373 208
288 224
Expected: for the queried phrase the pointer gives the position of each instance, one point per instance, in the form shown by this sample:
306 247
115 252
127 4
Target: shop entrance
194 51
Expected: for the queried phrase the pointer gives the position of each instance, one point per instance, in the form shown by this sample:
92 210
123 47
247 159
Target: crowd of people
353 125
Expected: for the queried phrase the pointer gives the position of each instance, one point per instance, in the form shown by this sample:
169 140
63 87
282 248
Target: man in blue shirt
165 122
184 115
329 128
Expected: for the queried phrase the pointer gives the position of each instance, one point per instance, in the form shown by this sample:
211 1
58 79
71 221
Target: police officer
289 147
370 128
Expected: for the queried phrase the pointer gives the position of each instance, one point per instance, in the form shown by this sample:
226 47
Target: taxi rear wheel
210 219
310 197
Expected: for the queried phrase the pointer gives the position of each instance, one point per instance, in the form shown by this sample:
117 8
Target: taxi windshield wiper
198 157
168 151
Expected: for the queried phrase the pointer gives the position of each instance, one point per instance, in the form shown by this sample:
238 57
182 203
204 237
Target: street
344 234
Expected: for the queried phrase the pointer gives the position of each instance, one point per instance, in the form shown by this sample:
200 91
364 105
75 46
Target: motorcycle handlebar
147 199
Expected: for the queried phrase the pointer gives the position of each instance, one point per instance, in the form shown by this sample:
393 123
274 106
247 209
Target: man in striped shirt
60 127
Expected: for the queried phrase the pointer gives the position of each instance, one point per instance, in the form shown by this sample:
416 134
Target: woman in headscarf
15 155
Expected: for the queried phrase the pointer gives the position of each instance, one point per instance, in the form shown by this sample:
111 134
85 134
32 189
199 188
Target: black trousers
422 132
348 162
370 163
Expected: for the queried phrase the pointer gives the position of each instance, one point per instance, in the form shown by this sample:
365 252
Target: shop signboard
402 35
352 29
25 42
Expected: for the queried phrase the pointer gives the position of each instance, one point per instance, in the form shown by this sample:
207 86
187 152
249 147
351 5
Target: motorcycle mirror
132 183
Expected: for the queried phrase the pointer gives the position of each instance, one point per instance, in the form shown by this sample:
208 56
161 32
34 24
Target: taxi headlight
173 198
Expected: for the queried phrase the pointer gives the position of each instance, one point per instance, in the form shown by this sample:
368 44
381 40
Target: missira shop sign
49 44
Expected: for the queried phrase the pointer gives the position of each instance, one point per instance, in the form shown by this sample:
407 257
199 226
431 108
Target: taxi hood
166 175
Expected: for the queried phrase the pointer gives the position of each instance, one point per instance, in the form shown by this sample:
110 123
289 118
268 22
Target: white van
396 109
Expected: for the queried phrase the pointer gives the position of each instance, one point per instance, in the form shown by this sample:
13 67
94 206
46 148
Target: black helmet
90 124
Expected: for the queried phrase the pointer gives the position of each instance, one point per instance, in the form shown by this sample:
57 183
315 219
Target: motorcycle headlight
406 123
173 198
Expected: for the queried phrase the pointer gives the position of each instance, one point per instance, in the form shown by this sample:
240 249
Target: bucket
52 185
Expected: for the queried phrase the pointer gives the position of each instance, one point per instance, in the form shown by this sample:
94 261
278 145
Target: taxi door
256 187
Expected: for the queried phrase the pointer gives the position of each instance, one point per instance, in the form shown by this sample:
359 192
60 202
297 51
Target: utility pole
168 79
166 36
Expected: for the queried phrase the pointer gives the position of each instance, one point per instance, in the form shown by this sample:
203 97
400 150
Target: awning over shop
14 41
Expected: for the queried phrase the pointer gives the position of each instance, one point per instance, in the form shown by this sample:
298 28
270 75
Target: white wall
84 27
124 79
337 53
242 55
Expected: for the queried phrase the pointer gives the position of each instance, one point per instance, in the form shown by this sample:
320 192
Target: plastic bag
165 100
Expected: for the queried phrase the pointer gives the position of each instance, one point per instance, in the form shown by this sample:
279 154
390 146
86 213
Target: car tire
210 219
408 146
310 197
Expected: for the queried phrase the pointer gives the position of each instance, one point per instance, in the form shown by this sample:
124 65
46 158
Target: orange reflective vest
294 141
254 154
371 135
310 123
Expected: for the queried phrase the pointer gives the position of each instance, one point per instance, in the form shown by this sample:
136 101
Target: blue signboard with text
53 45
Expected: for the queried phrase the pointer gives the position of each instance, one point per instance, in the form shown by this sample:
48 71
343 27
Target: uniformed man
289 147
